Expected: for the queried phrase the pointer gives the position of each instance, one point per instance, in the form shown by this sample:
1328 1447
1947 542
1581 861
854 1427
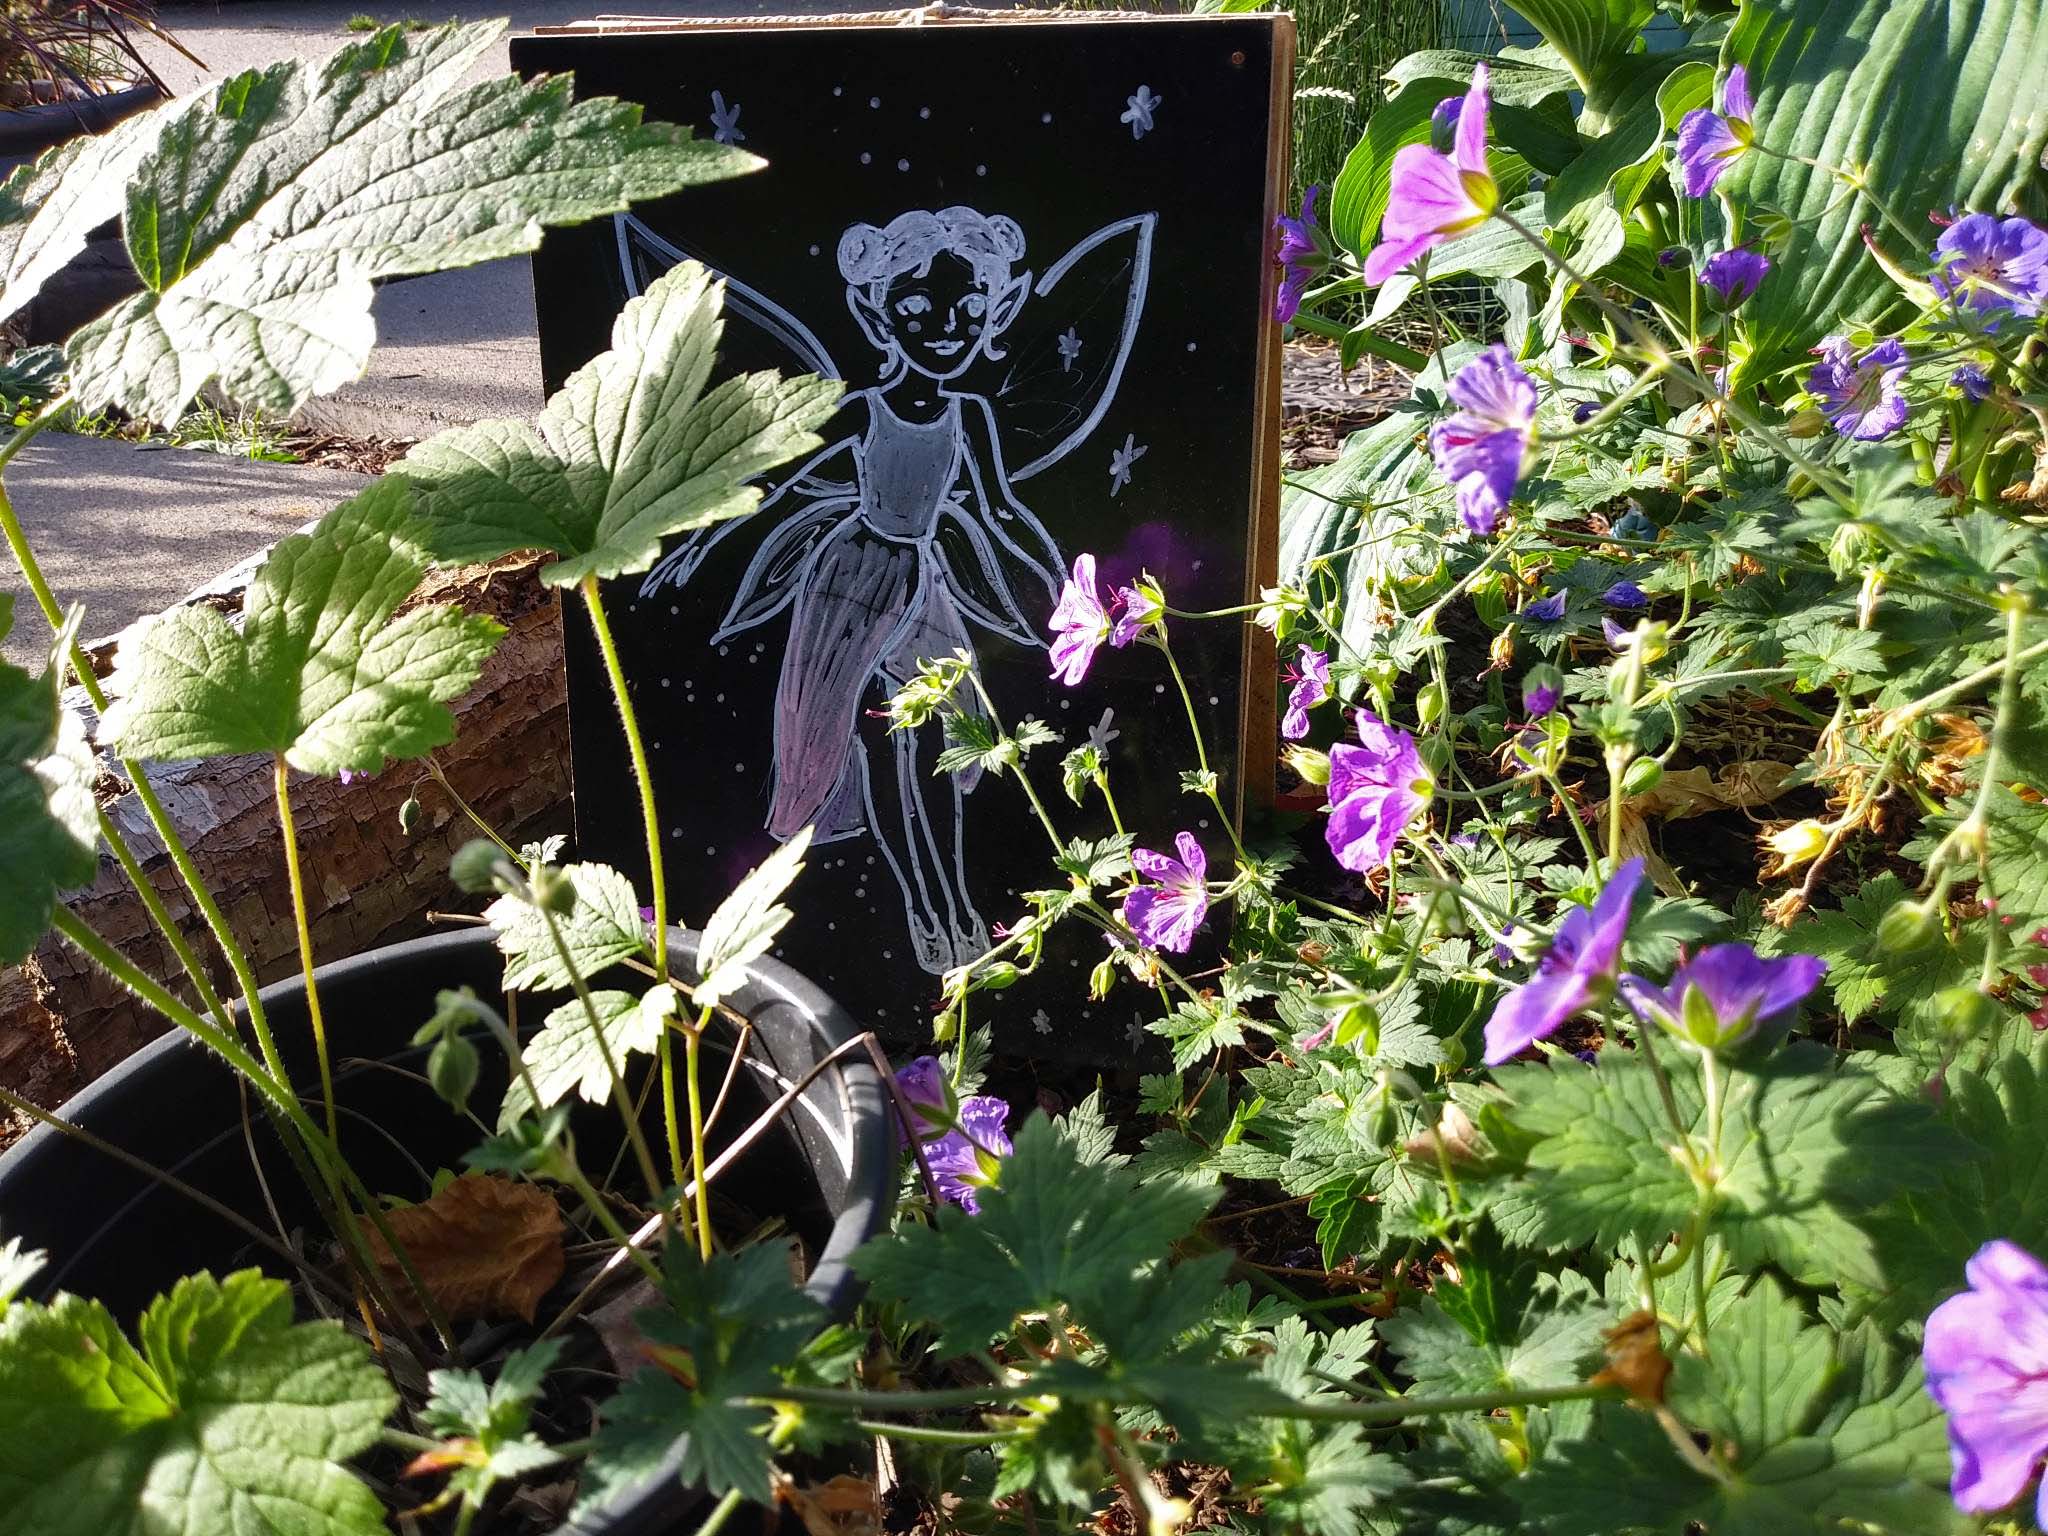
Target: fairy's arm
1012 524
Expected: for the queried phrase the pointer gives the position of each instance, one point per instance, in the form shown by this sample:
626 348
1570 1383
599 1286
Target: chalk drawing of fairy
906 538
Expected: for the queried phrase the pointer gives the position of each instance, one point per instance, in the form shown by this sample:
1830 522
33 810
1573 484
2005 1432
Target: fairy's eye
975 304
913 304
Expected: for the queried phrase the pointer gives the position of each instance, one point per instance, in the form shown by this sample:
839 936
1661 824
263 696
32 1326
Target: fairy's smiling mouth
945 348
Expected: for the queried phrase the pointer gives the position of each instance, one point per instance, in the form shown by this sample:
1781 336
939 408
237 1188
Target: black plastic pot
26 132
114 1234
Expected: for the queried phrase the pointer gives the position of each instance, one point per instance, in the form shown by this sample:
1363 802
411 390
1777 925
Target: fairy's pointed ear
1003 309
872 319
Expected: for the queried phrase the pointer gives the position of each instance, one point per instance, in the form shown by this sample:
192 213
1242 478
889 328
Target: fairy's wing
644 256
1064 355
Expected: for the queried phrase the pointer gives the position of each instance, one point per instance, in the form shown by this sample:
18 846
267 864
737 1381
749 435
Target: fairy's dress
880 595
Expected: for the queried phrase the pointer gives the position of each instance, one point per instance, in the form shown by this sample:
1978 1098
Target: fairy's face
938 320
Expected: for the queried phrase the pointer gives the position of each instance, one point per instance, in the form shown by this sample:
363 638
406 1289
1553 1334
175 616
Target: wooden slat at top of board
913 16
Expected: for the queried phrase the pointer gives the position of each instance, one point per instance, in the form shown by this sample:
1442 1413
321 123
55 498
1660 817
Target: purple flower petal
1863 397
1625 594
1166 915
1735 98
1735 275
1707 147
1994 265
1738 991
1470 150
1973 381
1375 790
1311 687
1546 610
1986 1356
1480 449
1578 969
1079 621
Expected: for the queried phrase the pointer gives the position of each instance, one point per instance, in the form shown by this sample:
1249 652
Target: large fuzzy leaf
320 671
230 1417
49 823
1939 99
630 450
271 202
48 208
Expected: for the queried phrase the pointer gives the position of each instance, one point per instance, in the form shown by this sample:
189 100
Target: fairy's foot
970 937
930 944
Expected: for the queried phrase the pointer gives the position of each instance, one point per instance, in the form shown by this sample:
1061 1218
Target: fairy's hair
869 257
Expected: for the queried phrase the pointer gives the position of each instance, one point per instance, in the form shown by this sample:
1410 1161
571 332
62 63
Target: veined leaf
603 929
269 204
231 1417
49 821
319 671
49 208
567 1056
630 450
1939 103
747 921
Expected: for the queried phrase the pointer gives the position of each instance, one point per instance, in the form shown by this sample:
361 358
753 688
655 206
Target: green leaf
1813 1431
630 450
1097 863
1056 1231
1809 1145
1862 974
319 670
231 1417
49 208
1594 38
272 202
567 1056
603 929
1936 99
495 1418
1553 1343
747 921
49 821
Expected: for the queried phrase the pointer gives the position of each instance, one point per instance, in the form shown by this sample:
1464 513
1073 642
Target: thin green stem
563 1166
693 1047
160 915
1187 700
289 830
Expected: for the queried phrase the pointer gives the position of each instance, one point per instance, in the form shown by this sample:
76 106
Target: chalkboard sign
1038 252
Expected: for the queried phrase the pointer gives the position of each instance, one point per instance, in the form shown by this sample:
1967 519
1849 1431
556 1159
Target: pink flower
1301 256
1986 1356
1436 196
1311 687
1167 914
1376 788
1480 448
1135 608
1079 622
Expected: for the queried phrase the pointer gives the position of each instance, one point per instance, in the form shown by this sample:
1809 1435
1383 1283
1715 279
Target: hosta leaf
319 671
1594 38
747 921
230 1417
1938 99
271 202
49 821
1808 1146
630 450
567 1057
603 929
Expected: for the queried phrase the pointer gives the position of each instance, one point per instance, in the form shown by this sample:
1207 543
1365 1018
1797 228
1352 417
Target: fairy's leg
891 795
970 933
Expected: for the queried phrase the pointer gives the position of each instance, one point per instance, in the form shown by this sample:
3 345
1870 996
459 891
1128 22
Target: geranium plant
1611 1109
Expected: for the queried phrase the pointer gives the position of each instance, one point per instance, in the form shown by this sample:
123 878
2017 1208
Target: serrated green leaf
271 203
567 1056
747 921
50 207
319 671
630 450
1809 1146
493 1418
1862 974
49 821
1554 1342
231 1417
1056 1231
603 929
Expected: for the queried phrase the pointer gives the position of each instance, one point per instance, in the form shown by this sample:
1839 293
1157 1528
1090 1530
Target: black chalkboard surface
1038 253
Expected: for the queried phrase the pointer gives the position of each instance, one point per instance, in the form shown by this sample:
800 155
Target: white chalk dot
1159 687
981 170
871 858
739 767
725 650
814 250
719 700
1203 823
1045 118
675 831
1191 346
838 90
664 682
902 165
1066 704
709 850
874 101
1214 700
866 158
886 955
924 111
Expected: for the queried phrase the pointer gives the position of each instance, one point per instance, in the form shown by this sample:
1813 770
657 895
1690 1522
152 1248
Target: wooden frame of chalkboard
1080 208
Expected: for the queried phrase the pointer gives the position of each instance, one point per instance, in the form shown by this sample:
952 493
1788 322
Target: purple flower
1135 607
1615 634
1376 788
1625 594
925 1089
1433 195
1673 256
1734 275
1546 610
1993 265
1973 381
1167 914
1575 973
1443 124
1586 410
1724 994
1861 396
970 1156
1542 687
1986 1356
1080 623
1502 955
1479 449
1709 142
1311 687
1300 254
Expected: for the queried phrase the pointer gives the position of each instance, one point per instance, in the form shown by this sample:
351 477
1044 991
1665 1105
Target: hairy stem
296 877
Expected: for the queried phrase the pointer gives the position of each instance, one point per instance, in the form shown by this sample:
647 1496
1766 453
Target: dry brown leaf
842 1506
484 1247
1690 792
1636 1361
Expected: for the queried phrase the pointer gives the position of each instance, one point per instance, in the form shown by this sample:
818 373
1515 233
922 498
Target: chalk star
1121 460
1134 1032
1102 732
1041 1023
1139 109
1070 348
725 121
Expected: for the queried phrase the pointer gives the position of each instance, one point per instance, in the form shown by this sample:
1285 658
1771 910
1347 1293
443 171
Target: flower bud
1101 979
478 865
1542 687
1908 926
945 1025
1965 1013
1642 776
1429 703
1313 766
452 1067
553 891
409 811
1361 1023
1800 843
997 976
